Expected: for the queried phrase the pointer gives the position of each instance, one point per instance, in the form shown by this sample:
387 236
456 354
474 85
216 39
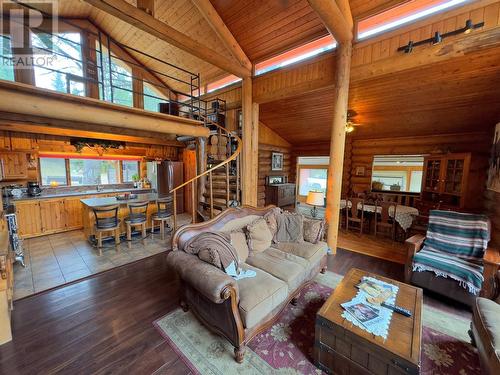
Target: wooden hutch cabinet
453 180
280 195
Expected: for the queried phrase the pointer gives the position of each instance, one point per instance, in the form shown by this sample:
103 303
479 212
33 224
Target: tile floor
58 259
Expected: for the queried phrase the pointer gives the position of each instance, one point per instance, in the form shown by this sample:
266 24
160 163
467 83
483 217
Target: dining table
404 215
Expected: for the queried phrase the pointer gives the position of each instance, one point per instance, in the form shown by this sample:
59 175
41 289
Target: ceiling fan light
349 127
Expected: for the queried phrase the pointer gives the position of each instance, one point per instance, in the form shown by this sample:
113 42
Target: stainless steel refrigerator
165 176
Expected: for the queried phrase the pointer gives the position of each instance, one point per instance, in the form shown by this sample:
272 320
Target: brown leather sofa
485 329
449 287
239 310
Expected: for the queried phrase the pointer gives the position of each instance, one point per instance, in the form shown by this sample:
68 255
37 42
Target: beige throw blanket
214 248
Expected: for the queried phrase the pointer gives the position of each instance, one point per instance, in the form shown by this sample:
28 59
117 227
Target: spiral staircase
218 185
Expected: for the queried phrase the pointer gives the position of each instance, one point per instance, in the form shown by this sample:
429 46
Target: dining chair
106 220
355 214
137 217
384 219
163 215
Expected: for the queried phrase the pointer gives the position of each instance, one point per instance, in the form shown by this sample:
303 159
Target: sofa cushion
487 323
239 242
259 295
287 267
259 236
306 250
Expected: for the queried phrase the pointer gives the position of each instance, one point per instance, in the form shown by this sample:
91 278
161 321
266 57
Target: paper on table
371 318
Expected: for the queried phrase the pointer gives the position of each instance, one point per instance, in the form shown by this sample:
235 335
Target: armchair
451 285
485 332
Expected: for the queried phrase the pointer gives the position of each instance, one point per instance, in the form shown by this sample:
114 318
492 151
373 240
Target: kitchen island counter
123 211
110 201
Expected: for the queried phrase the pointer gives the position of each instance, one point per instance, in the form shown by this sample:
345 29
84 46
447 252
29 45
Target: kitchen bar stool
163 215
138 213
106 220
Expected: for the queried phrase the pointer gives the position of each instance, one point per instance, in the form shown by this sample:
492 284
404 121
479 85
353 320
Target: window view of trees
65 71
116 76
152 98
6 69
89 171
53 170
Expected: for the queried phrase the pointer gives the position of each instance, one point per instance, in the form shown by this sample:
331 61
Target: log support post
337 18
250 137
337 143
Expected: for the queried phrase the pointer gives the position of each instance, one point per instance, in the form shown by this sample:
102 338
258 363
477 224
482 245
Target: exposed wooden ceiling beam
345 8
217 24
143 21
147 6
26 99
42 125
333 19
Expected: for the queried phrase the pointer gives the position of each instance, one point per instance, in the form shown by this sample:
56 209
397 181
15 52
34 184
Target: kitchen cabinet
52 215
28 218
14 166
73 211
22 142
453 180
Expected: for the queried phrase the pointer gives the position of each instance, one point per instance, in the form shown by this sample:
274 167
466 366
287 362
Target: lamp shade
315 198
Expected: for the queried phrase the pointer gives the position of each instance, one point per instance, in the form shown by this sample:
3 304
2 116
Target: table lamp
315 199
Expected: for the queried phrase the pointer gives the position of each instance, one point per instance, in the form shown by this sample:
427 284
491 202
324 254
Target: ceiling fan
350 123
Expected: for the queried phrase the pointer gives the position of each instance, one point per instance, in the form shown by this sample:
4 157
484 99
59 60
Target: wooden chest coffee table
342 348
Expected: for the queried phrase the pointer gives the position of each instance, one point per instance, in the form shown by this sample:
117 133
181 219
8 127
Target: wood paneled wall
360 152
385 45
363 151
33 144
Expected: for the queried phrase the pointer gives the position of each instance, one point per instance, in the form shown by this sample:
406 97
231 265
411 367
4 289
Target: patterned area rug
286 347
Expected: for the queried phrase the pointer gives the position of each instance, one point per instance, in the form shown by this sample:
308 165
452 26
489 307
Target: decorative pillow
259 236
239 242
313 230
272 221
290 227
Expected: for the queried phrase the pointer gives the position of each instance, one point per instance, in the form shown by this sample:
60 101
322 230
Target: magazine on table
365 310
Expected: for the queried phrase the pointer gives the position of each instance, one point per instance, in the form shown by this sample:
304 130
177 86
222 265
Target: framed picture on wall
276 161
360 171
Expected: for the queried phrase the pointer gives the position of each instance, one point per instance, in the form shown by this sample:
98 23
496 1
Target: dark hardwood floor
103 324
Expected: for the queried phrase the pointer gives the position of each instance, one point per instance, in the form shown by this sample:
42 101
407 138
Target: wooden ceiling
450 97
263 28
268 27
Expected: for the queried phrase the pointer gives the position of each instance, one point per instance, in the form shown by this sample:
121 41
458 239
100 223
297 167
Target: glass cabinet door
432 175
453 176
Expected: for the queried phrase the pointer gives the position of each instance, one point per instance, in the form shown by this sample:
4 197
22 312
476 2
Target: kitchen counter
110 201
77 193
88 204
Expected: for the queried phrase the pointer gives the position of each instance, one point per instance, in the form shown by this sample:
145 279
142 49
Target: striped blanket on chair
454 247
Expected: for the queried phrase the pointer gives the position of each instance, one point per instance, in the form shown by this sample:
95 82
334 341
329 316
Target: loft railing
100 67
194 181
